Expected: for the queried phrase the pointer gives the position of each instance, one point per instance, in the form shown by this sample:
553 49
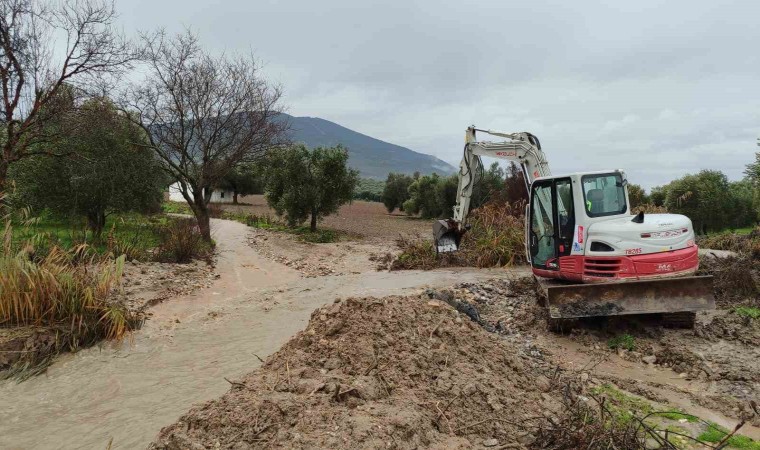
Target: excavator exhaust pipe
667 295
447 235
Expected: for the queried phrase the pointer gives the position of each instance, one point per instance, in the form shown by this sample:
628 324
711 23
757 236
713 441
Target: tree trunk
204 224
234 197
200 209
313 220
96 221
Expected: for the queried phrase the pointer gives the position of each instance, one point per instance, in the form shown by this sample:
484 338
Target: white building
217 196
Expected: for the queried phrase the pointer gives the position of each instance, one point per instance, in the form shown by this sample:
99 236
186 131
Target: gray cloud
657 88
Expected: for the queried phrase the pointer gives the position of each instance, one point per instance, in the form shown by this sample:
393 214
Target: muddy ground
351 256
427 351
369 220
466 367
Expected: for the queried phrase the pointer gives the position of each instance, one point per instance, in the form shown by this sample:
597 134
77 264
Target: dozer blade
669 295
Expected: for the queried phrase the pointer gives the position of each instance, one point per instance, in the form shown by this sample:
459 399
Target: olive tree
243 179
396 191
203 115
303 183
45 46
108 170
637 195
704 197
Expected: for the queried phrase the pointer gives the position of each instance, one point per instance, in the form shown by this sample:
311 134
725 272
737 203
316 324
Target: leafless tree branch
203 114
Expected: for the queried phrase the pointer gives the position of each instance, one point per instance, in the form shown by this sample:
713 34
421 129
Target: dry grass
746 244
496 239
181 242
66 290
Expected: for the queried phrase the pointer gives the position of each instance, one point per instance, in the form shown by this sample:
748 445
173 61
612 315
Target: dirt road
184 353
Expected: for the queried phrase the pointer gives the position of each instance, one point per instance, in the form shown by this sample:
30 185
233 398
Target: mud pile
736 279
396 372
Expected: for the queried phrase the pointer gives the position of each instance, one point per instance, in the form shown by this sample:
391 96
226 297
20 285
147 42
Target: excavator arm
523 148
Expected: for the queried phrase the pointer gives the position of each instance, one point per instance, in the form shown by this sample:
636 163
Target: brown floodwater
183 354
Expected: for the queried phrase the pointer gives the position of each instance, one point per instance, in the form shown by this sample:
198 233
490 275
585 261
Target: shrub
182 241
496 239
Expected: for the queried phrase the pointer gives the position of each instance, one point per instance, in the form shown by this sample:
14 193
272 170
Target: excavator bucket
668 295
447 235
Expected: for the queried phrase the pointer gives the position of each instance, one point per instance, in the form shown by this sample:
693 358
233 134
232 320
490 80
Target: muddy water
184 353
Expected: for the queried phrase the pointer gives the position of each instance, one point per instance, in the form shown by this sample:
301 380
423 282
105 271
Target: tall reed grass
67 290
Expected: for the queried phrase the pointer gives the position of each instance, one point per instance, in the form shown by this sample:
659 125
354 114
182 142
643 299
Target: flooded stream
183 354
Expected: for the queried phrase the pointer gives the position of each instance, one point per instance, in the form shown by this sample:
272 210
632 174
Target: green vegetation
369 190
748 311
181 242
434 196
396 190
131 234
431 196
627 413
626 406
710 200
715 433
637 196
108 172
622 341
176 208
303 183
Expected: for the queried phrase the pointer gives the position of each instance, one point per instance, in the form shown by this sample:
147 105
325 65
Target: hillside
372 157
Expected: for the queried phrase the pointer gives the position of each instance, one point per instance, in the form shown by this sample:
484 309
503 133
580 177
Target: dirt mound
379 373
736 279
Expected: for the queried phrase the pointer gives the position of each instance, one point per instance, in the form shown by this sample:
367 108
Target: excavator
591 255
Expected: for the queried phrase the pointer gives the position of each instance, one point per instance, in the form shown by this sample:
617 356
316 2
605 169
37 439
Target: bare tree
35 67
203 115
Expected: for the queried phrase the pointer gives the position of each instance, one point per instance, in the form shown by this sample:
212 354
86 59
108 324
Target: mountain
372 157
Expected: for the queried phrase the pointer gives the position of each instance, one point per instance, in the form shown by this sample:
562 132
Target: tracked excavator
592 257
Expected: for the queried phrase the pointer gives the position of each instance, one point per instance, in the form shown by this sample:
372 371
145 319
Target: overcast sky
658 88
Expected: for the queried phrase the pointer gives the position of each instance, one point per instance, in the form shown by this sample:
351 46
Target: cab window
604 195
